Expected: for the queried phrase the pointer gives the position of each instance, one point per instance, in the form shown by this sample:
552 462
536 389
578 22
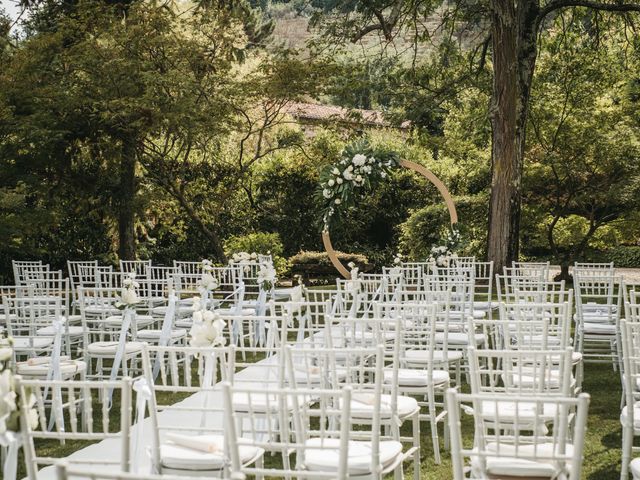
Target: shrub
624 256
427 226
262 243
318 264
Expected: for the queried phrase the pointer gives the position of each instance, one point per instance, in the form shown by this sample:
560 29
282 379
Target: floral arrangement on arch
360 168
441 255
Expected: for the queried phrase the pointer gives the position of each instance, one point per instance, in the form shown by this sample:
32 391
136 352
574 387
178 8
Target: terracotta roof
314 111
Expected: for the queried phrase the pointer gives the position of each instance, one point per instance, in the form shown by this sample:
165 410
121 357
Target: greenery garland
360 169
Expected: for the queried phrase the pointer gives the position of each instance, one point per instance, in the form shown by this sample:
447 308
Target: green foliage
262 243
623 256
582 177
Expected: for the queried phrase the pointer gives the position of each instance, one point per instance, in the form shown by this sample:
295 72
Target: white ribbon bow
143 396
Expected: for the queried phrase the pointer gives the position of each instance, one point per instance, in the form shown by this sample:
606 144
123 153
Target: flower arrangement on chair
208 282
10 410
207 329
129 294
267 277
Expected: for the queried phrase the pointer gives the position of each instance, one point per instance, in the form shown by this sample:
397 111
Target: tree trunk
126 200
514 54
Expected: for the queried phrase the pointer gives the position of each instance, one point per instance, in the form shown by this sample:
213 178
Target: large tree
98 83
509 30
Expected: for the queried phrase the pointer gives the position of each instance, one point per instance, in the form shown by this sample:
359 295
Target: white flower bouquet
267 277
208 282
9 398
207 329
129 294
441 255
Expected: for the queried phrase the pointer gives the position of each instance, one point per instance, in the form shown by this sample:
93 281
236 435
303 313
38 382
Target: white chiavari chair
64 471
598 308
159 282
421 370
188 436
530 269
515 451
352 333
25 317
483 288
23 269
139 267
78 411
630 415
109 337
508 373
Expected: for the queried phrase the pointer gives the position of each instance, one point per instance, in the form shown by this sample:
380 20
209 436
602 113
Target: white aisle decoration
10 438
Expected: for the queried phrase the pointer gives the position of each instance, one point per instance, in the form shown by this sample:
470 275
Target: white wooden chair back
516 451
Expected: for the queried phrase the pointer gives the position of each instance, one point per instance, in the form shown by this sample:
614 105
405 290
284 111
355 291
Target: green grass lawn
602 450
602 454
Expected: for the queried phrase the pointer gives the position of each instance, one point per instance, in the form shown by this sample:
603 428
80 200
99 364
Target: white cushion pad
110 348
524 465
183 458
326 456
362 406
412 377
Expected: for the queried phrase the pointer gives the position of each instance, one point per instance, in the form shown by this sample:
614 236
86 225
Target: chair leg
416 444
627 445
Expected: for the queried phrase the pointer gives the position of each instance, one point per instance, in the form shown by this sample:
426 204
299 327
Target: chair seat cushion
362 406
459 338
634 467
636 415
50 331
68 368
526 412
26 343
110 348
183 458
421 357
507 465
413 377
326 455
263 402
154 334
116 320
600 328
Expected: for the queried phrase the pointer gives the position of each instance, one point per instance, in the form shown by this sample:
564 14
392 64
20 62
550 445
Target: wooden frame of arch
448 200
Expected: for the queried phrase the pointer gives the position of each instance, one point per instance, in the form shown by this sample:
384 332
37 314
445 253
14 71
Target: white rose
254 256
326 193
359 160
372 160
335 171
331 182
129 296
338 201
339 180
347 175
359 179
5 353
383 174
33 418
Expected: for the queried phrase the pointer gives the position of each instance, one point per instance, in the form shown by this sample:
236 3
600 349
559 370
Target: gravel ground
628 274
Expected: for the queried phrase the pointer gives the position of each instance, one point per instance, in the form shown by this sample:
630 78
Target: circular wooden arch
453 215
